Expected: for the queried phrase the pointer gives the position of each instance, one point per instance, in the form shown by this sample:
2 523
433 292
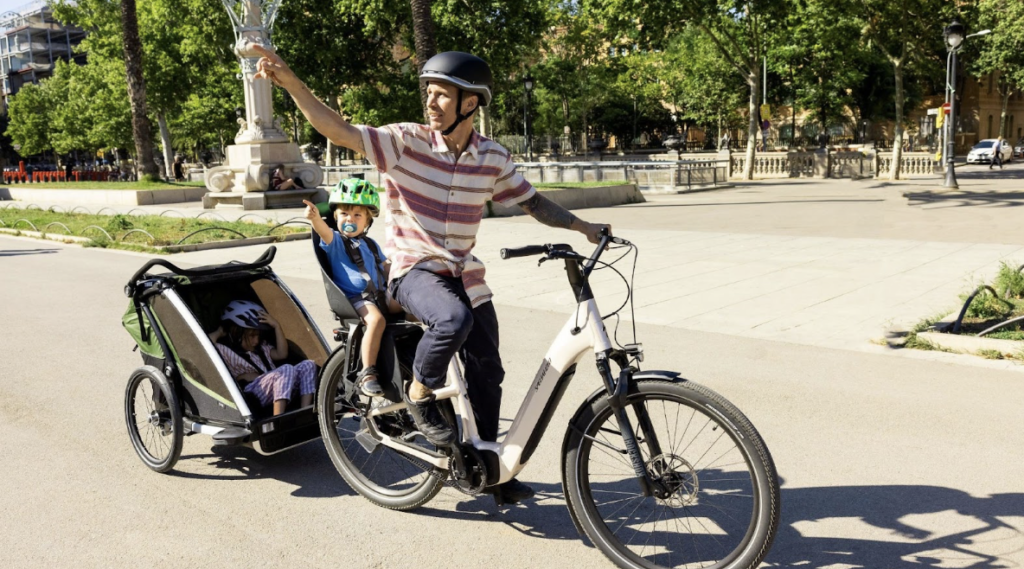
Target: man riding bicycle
437 179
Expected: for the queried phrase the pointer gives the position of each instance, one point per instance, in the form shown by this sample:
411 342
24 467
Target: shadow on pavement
308 468
20 252
774 202
967 199
984 173
913 527
895 527
871 527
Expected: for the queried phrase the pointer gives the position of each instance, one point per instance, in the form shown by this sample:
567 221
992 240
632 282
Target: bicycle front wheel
719 504
380 474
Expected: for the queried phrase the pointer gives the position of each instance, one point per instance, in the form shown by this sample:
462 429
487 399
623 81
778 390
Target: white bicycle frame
583 332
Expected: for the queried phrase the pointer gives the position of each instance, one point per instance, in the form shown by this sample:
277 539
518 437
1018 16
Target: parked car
1018 149
982 152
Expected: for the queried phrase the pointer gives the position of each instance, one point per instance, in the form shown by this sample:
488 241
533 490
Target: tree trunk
897 143
423 36
754 80
141 127
1005 92
165 139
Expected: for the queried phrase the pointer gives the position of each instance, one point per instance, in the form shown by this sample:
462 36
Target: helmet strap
459 117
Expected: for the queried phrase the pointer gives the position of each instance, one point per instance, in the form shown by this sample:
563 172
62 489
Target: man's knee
456 324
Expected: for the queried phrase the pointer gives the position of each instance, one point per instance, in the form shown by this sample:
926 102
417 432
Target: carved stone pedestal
245 180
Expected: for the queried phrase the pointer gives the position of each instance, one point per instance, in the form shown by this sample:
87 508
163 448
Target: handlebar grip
513 252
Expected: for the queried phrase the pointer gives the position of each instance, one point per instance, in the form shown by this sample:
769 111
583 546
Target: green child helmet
354 191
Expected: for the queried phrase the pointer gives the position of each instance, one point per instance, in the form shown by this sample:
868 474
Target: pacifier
349 227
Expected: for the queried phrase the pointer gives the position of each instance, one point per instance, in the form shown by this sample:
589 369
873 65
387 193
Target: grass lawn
108 185
165 230
563 185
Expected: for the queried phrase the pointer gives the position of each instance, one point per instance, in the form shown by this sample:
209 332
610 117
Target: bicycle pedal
366 440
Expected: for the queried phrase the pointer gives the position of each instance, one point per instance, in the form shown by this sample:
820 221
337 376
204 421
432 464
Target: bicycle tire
157 424
688 508
338 424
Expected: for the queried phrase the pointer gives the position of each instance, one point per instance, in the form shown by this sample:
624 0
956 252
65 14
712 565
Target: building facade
31 42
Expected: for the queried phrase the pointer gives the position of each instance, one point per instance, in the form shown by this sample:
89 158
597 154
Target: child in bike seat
250 359
358 266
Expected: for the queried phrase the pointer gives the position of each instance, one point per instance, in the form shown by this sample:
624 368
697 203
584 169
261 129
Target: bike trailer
184 386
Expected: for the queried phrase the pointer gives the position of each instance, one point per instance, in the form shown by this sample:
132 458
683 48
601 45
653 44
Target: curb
107 197
972 344
49 236
76 240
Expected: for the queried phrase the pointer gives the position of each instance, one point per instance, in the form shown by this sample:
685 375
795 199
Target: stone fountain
260 144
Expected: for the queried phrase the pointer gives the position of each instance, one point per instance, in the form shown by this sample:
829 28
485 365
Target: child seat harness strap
372 293
268 366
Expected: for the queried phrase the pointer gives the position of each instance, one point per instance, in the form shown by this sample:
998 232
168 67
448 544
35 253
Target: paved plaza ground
769 292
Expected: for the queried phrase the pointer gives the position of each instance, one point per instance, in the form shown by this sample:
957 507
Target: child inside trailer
250 359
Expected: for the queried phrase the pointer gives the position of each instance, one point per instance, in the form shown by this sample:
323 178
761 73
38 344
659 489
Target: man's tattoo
548 212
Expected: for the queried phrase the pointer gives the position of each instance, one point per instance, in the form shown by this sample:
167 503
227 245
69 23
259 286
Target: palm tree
141 128
423 36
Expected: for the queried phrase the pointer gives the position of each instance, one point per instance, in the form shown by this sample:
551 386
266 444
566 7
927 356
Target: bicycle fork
618 392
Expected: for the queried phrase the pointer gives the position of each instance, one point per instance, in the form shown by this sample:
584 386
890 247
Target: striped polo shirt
434 203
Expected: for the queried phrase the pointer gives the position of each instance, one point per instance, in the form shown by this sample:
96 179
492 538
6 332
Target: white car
982 152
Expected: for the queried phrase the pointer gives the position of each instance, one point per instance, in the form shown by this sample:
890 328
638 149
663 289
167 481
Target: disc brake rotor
677 477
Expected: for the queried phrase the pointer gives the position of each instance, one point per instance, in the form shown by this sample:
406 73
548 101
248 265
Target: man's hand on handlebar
593 231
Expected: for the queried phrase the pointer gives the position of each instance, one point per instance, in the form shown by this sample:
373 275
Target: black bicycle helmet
467 72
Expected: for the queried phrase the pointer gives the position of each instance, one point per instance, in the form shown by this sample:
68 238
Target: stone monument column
260 144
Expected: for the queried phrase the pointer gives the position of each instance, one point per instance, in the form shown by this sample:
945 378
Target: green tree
572 78
740 29
188 45
700 81
820 53
905 34
1002 51
30 111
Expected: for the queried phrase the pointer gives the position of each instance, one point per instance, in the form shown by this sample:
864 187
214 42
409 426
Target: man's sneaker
429 420
511 492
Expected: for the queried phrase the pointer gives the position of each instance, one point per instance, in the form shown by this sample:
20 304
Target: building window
989 127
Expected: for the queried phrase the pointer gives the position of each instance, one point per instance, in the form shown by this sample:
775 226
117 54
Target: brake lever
542 259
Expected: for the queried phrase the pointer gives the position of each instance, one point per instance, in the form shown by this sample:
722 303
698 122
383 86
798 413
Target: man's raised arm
324 119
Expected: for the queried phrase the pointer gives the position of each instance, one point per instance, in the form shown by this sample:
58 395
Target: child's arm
280 350
313 215
247 377
217 334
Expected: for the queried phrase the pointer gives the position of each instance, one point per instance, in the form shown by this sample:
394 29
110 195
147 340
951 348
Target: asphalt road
886 462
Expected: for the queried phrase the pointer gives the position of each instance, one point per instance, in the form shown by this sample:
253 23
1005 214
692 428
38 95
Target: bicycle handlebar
265 259
513 252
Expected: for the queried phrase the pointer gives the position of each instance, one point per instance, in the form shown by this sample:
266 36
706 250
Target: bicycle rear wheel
720 507
382 475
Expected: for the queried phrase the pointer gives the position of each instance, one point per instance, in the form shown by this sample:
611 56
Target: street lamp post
528 86
954 36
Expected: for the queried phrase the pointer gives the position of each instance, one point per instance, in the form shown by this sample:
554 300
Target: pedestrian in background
997 154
